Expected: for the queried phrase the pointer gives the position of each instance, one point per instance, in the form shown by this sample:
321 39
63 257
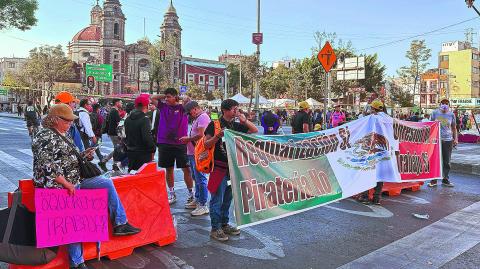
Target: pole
225 85
325 102
257 85
240 72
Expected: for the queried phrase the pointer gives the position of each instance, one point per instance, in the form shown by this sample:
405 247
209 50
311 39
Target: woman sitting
55 165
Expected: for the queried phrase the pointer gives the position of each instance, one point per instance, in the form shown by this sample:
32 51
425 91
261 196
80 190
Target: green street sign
3 91
101 72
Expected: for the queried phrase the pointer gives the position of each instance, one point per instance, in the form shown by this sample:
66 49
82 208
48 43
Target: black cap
190 105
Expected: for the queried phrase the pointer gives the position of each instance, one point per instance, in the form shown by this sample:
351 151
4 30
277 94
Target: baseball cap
377 104
65 98
444 99
303 105
142 100
317 127
63 111
190 105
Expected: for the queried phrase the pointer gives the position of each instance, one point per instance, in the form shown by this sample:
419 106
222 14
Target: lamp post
257 86
470 5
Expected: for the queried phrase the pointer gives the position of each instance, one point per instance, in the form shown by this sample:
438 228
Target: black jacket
137 130
113 120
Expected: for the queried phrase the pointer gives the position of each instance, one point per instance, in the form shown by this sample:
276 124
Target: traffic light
90 82
162 55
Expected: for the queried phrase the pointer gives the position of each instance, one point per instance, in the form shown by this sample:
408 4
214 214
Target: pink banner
419 150
63 219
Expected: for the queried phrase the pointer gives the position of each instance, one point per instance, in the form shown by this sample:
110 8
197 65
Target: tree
250 67
400 96
374 73
195 92
418 54
276 82
157 73
47 65
218 94
18 14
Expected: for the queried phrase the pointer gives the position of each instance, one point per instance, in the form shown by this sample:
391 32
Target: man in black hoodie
139 140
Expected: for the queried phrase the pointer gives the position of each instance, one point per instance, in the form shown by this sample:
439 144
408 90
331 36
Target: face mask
444 107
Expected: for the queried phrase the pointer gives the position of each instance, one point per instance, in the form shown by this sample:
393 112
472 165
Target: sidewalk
10 115
466 159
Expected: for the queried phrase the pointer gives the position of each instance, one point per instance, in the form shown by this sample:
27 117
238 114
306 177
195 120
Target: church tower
171 37
112 45
96 15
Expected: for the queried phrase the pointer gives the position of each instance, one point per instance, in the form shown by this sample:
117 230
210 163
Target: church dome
90 33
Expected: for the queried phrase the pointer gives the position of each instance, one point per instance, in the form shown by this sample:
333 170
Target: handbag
87 168
17 230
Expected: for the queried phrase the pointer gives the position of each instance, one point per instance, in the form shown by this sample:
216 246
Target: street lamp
470 5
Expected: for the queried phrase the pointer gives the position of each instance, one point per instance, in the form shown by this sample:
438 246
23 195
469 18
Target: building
12 65
230 58
459 70
206 73
285 62
429 89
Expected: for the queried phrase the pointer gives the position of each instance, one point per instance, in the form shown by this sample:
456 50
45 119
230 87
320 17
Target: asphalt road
345 234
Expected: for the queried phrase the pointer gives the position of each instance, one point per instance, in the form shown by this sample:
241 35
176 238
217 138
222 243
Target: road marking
6 185
3 129
170 261
430 247
16 163
27 152
377 211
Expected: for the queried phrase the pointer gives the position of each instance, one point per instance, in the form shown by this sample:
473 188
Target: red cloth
220 170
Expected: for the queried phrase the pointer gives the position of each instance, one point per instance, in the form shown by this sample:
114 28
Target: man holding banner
219 182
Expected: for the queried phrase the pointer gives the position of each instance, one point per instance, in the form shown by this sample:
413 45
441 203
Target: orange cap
65 98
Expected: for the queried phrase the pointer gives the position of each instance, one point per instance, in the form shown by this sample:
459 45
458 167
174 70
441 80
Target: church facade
103 42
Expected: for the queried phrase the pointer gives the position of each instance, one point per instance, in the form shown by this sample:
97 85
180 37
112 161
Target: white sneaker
191 203
200 210
172 198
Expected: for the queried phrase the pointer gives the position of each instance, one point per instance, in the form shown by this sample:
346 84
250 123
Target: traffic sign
183 89
257 38
101 72
3 91
327 57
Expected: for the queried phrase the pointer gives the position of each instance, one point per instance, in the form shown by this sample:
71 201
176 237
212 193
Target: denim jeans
220 204
115 208
201 191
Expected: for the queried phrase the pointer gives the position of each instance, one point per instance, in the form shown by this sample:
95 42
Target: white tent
262 100
215 103
314 103
240 98
282 102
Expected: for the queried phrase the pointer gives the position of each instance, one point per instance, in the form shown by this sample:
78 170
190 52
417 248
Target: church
103 42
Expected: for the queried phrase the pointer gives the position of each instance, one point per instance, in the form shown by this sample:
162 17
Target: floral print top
53 157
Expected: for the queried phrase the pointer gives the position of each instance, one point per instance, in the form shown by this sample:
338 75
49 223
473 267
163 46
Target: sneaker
172 198
200 210
80 266
364 201
432 183
447 183
125 229
115 167
103 166
229 229
219 235
376 201
191 203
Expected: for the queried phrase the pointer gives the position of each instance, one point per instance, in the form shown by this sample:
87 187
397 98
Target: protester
200 122
426 118
68 99
31 117
85 125
97 122
415 117
55 165
173 124
219 185
377 107
337 117
270 123
301 120
139 140
112 120
449 138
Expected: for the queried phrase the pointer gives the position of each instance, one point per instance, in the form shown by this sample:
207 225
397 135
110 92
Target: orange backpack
204 156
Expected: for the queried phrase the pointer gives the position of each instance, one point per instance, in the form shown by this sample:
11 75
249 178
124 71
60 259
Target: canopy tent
262 100
314 103
215 103
286 103
240 98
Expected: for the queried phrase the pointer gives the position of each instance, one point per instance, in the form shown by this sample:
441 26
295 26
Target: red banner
419 150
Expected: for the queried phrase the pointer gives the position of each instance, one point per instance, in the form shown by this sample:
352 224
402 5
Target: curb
468 169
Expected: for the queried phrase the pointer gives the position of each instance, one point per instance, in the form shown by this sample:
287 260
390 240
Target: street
345 234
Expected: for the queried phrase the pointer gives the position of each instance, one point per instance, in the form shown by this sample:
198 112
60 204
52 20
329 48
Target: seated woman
55 165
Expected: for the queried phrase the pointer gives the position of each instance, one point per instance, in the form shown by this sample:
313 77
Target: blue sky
212 26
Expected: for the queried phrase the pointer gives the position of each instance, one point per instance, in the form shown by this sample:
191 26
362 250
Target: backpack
96 128
204 156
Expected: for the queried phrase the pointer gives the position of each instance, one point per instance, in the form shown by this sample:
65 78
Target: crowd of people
73 129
